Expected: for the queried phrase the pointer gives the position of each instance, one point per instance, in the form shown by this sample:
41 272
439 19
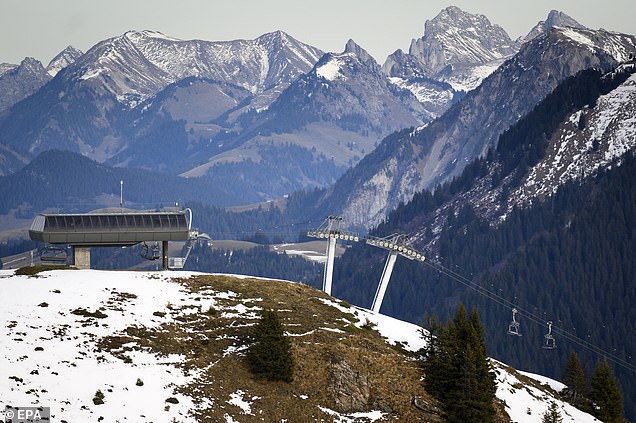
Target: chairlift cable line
493 296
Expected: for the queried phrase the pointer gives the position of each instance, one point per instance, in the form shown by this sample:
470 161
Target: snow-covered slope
590 140
68 334
66 57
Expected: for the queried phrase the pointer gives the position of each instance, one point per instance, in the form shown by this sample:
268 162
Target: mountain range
422 158
271 108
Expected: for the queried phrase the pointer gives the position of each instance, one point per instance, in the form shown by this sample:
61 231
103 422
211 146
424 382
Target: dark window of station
139 222
165 221
112 221
51 222
147 221
130 221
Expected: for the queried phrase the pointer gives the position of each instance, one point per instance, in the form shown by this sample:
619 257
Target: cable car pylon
331 230
396 244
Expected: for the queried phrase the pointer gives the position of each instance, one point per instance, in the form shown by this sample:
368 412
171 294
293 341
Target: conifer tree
606 394
270 354
575 379
457 369
552 415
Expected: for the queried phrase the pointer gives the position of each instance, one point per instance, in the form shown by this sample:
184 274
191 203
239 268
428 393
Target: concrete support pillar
328 275
82 257
384 281
164 254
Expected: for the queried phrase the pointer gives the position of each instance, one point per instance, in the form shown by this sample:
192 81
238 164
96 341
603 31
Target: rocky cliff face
19 82
457 47
457 51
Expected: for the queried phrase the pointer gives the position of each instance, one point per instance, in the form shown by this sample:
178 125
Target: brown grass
203 338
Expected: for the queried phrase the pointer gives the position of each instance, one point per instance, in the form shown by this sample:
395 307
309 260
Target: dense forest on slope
259 261
570 259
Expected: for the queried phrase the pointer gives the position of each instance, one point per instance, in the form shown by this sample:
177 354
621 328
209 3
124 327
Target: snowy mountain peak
353 47
277 37
458 37
20 81
141 63
146 34
333 66
555 19
66 57
558 18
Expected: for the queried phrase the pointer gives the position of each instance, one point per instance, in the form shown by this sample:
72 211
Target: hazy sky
42 28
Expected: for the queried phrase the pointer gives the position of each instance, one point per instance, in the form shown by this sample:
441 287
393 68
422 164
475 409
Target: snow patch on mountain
332 69
578 36
590 140
424 93
555 19
473 76
528 402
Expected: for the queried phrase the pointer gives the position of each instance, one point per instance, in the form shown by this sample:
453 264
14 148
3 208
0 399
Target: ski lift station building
83 231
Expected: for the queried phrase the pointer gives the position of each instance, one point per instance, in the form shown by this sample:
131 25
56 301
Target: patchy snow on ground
526 403
51 356
372 416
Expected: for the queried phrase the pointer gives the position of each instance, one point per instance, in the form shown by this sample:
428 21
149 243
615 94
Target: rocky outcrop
350 388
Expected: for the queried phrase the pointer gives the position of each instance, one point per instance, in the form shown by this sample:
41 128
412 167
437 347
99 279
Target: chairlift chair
513 327
150 253
53 254
550 342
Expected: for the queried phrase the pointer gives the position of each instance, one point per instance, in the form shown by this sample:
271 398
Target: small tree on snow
552 415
